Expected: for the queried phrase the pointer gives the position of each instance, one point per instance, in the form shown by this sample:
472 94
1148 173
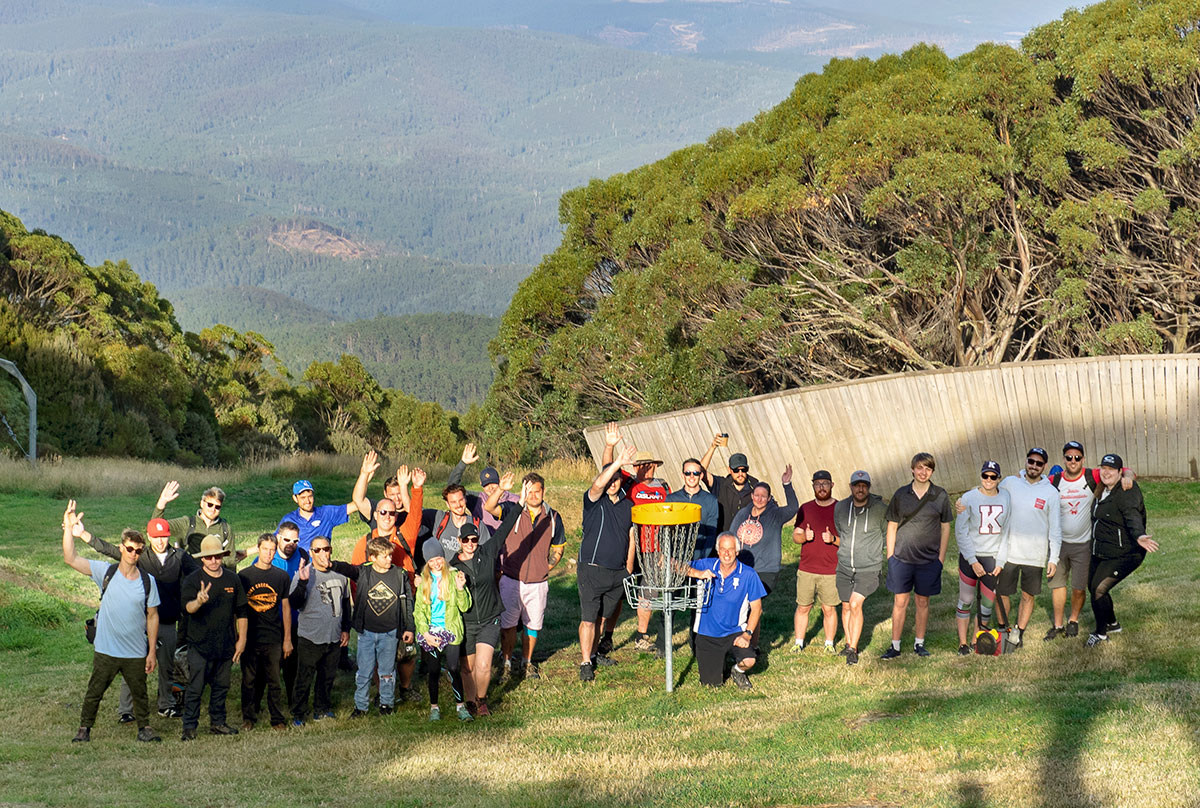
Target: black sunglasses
1031 461
216 506
991 476
1073 458
742 469
468 540
692 473
385 513
134 550
322 549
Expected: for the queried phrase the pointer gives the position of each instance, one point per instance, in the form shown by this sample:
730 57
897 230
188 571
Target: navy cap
1037 450
489 476
1112 461
737 459
992 466
822 475
301 486
1073 444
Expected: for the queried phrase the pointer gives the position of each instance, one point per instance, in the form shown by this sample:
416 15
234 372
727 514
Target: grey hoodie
861 531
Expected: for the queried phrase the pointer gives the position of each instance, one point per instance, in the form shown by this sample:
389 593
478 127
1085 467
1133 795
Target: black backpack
89 625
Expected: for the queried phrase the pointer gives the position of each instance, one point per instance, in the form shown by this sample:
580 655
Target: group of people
444 588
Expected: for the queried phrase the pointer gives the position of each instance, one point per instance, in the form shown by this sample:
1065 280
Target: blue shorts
925 579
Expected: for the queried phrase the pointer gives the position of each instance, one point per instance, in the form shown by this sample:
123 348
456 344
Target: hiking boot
845 649
604 647
170 712
740 679
851 656
222 729
1055 631
83 736
247 726
464 714
890 653
1113 628
644 645
148 735
357 713
964 650
383 710
435 713
602 661
125 718
586 673
532 671
482 710
920 650
1095 639
1072 629
188 735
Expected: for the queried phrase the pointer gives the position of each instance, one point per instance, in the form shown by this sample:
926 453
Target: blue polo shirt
728 608
324 519
710 514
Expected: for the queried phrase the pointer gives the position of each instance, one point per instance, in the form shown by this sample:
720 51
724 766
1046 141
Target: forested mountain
909 212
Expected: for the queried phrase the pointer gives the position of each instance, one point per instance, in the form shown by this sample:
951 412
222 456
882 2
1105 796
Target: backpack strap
108 576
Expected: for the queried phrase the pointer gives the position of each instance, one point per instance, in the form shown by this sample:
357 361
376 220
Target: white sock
829 643
896 644
919 641
799 642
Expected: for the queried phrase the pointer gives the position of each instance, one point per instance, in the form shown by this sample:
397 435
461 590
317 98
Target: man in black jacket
167 565
1119 544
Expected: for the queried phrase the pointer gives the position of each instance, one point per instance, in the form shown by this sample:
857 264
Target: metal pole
668 637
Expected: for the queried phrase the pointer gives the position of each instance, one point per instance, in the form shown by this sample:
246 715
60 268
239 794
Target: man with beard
270 635
860 522
1034 538
816 533
323 597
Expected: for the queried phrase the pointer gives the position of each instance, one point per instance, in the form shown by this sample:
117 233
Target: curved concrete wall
1146 408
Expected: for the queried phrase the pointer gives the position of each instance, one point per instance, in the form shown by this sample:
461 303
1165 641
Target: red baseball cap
157 528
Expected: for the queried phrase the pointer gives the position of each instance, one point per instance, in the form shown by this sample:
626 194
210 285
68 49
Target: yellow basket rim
666 513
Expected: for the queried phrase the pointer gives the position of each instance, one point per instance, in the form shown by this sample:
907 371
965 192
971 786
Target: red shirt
816 556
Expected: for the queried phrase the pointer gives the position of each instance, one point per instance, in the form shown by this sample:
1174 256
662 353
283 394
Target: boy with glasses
126 625
189 531
981 531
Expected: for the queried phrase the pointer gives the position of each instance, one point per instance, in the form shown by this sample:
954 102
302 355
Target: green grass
1051 725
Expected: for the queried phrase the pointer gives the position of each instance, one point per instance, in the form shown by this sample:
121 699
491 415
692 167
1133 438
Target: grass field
1053 725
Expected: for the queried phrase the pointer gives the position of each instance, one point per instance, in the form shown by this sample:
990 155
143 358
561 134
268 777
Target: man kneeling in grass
726 624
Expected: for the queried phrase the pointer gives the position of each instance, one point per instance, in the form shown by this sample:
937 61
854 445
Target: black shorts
924 579
486 633
768 580
710 657
1031 579
600 589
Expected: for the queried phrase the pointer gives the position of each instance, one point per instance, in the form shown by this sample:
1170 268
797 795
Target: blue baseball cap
301 486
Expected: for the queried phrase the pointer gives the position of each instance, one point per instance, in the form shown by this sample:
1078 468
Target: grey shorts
864 582
1074 559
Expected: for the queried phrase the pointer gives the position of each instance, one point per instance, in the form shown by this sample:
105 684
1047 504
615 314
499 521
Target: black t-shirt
606 526
729 499
265 593
919 535
211 630
383 599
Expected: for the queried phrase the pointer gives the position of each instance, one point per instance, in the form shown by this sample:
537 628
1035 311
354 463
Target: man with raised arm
489 481
1034 539
860 521
319 520
728 622
606 553
189 531
395 488
126 625
918 533
218 618
734 491
532 548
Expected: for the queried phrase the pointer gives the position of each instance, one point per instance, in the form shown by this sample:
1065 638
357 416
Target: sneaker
602 661
851 656
586 673
435 713
920 650
222 729
464 714
148 735
829 649
383 710
644 645
1055 631
188 735
482 710
1113 628
797 646
964 650
532 671
297 722
170 712
247 726
845 649
1095 639
604 647
740 679
125 718
83 736
357 713
890 653
1072 629
472 707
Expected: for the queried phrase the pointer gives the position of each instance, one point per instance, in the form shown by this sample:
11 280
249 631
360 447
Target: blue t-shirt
437 606
324 519
710 514
121 625
728 608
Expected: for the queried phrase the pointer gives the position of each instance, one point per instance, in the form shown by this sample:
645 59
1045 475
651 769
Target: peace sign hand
202 595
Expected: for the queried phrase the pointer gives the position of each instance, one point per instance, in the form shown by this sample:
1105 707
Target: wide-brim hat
211 546
644 459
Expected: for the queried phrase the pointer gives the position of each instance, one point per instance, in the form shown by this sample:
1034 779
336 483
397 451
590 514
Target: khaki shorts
810 586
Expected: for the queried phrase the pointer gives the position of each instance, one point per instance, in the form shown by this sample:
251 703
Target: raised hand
402 476
507 479
719 439
418 478
202 595
469 455
612 435
303 572
169 493
627 454
69 515
370 464
787 474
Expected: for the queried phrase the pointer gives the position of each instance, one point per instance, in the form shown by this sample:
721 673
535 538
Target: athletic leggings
966 588
1103 575
452 656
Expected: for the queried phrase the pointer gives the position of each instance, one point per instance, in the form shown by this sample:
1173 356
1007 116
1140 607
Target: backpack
89 625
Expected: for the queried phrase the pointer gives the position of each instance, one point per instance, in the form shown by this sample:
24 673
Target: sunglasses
468 540
991 476
134 550
385 513
1032 462
1073 458
692 473
322 549
216 506
742 469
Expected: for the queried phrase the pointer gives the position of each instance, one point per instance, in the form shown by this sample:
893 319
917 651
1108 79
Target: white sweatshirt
1035 523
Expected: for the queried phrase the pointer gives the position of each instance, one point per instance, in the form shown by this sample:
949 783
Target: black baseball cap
1112 461
822 475
1073 444
1037 450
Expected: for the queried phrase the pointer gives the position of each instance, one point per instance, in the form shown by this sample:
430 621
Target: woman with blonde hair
442 597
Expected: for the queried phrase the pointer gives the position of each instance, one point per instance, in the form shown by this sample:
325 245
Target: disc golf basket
666 539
